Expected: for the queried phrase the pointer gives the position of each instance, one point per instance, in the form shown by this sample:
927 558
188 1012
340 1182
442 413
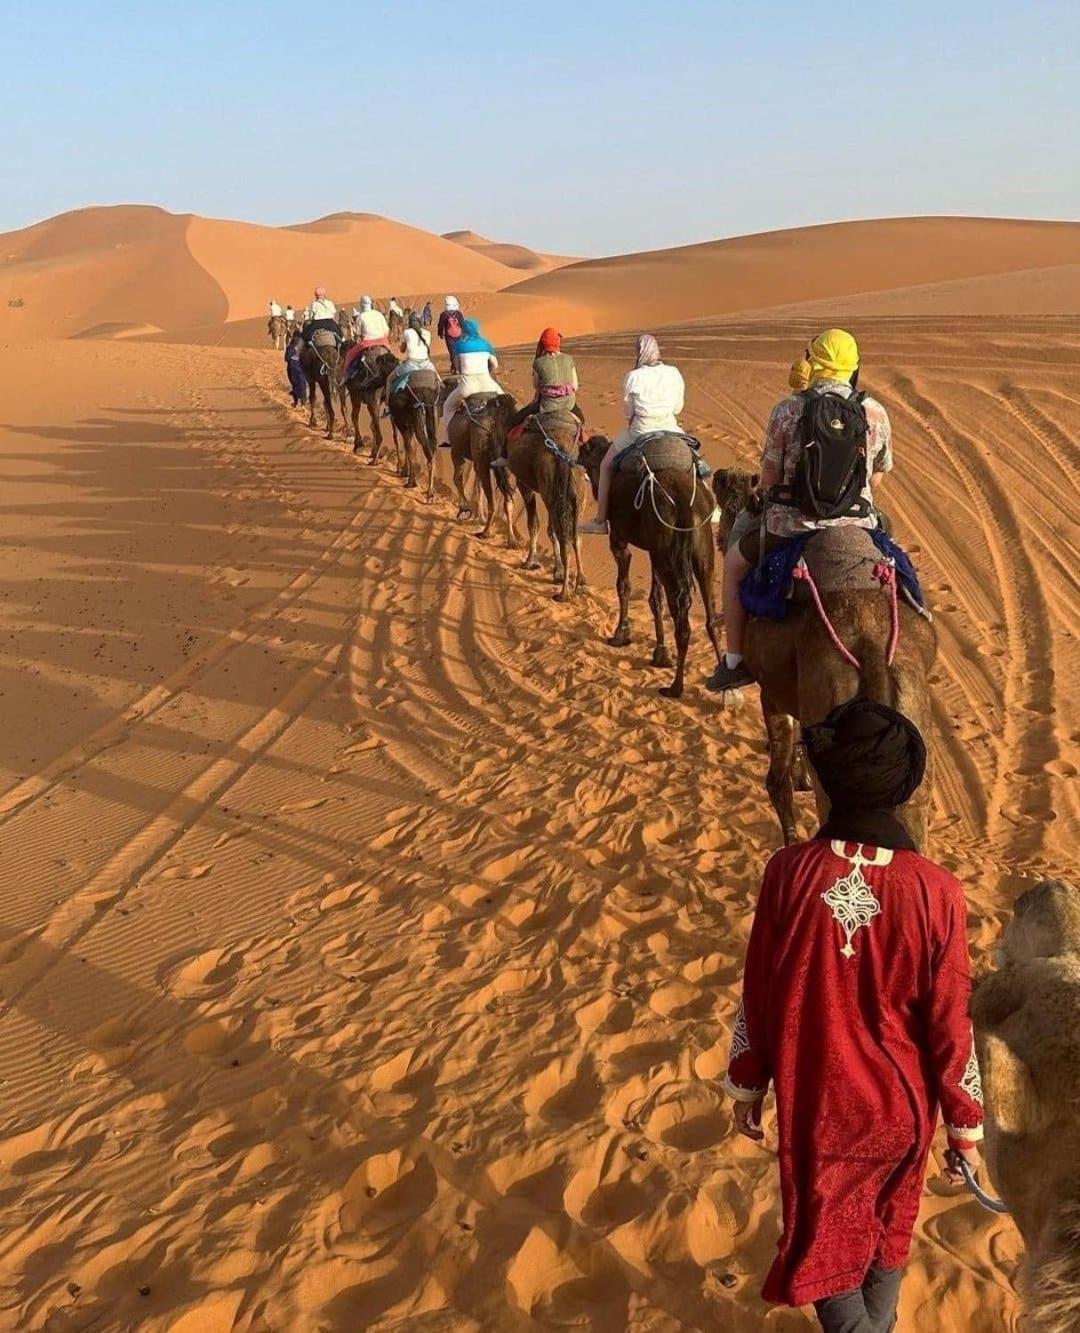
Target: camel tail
876 679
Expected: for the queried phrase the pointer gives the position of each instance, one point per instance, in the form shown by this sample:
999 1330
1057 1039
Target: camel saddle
324 338
418 379
663 450
843 558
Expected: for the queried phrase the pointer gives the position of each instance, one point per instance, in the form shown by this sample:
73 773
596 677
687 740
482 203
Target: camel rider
275 310
476 364
451 328
799 375
372 330
394 309
425 318
322 314
416 344
653 397
555 381
290 314
833 358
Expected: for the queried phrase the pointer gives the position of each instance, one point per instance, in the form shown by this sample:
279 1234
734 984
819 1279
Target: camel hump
666 450
1045 922
842 559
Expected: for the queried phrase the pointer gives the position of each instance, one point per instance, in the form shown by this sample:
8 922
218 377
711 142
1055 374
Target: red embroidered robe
855 997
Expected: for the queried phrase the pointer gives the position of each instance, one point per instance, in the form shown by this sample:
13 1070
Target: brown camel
672 524
803 677
477 435
412 416
1027 1034
276 330
543 460
366 387
319 361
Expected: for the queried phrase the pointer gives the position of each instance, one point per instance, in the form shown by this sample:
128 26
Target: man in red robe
854 1008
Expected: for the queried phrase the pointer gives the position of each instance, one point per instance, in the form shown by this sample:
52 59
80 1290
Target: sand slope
812 263
132 266
373 930
512 256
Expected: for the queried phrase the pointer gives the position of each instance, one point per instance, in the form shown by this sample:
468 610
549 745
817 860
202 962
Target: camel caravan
858 949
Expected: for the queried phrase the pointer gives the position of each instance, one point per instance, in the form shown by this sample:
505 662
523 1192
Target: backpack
831 472
454 327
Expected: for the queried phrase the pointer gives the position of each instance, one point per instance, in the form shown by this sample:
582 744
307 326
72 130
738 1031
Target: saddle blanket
840 558
667 449
415 379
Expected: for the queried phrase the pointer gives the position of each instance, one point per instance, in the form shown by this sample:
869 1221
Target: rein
885 573
988 1201
650 485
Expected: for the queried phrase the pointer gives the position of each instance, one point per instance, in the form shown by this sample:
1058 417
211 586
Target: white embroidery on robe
850 898
971 1083
740 1037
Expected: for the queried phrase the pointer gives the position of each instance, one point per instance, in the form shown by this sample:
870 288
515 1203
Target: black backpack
831 473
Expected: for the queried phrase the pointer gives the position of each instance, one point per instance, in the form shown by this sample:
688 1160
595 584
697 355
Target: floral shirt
782 452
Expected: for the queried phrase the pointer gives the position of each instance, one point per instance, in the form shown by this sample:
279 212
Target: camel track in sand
394 955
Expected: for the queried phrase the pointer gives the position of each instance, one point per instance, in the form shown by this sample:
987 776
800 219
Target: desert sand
372 931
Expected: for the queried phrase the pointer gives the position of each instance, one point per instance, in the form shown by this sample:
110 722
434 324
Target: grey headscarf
648 351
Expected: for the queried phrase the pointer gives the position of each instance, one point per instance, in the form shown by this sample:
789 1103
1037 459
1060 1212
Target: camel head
735 491
591 455
1027 1031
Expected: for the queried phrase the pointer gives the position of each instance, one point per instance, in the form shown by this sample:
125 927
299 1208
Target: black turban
866 756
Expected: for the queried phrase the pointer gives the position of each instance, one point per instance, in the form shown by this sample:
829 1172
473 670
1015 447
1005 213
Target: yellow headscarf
834 355
799 375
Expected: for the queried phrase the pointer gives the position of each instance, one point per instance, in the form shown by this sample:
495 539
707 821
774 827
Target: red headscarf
550 341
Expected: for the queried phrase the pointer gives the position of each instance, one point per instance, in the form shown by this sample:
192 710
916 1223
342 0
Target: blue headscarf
472 341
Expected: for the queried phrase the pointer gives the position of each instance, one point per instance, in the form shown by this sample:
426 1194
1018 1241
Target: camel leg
678 599
376 433
621 553
703 573
532 517
328 399
800 767
313 393
343 403
483 473
661 657
357 438
464 508
580 581
778 781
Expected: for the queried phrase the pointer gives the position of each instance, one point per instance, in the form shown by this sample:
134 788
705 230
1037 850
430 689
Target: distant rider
477 362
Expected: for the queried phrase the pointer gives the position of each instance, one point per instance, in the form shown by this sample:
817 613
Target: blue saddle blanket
766 590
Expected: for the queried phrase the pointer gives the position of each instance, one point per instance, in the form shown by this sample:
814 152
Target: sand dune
512 256
814 263
372 929
140 265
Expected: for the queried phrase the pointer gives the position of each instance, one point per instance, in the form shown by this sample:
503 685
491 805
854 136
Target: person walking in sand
298 384
451 329
653 397
855 1009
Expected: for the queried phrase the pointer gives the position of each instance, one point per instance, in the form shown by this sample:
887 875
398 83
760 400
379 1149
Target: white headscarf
365 303
452 303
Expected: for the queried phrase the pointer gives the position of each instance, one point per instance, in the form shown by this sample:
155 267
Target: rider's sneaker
595 527
729 678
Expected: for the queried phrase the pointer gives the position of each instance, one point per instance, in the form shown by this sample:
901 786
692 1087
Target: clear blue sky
591 127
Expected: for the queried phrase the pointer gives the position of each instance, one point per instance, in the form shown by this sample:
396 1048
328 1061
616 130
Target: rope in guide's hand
960 1163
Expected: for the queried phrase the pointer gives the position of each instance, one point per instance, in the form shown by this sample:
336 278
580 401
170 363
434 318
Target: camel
1027 1035
319 362
277 329
412 416
366 388
803 677
543 459
673 527
397 328
477 435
